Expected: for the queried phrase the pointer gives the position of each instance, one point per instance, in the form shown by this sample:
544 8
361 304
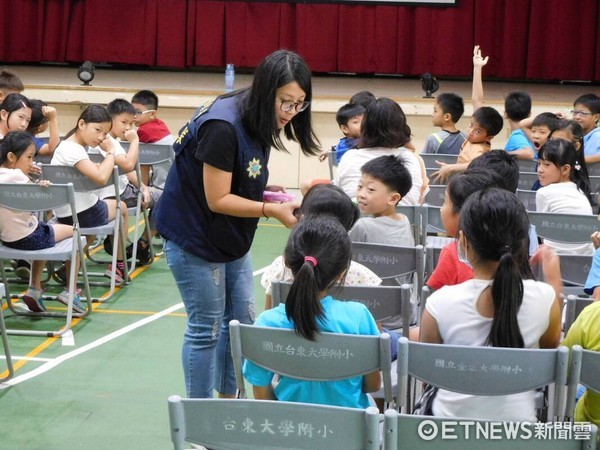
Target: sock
121 265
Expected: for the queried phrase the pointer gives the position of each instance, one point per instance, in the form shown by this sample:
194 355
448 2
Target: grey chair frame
413 214
568 228
435 196
360 355
528 369
236 424
429 159
57 174
527 197
584 369
527 165
527 180
33 197
4 335
404 432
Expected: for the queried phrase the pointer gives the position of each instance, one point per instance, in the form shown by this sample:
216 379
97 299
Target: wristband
263 210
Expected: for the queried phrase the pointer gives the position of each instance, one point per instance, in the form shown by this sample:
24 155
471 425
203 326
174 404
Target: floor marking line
260 271
103 340
26 358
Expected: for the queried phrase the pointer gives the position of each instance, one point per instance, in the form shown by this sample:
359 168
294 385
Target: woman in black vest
212 202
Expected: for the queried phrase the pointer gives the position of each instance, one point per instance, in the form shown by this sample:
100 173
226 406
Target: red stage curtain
532 39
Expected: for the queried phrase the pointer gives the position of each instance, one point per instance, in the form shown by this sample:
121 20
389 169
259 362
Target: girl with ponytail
500 306
318 253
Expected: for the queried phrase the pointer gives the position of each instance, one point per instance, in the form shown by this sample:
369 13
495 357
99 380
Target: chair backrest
390 262
408 432
584 369
263 424
68 174
527 198
573 308
527 180
483 370
429 159
593 169
431 220
155 153
383 302
527 165
413 214
33 197
331 356
570 228
432 256
435 196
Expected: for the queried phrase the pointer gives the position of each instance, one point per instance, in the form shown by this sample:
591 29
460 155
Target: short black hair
9 82
37 115
547 119
146 98
591 101
500 163
120 106
452 104
363 98
489 119
517 105
391 171
347 112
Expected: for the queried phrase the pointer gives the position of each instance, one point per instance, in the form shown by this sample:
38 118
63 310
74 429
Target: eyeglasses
578 112
139 113
288 105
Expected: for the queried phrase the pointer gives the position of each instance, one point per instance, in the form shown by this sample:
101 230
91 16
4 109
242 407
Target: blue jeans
213 294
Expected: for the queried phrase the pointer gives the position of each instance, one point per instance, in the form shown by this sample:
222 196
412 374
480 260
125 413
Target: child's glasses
139 113
578 112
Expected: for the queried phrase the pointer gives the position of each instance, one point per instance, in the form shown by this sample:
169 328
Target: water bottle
229 77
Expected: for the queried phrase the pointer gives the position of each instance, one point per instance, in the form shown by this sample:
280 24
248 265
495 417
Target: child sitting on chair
318 252
384 181
21 229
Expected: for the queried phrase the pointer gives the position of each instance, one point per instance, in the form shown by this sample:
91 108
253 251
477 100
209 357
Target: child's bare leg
37 268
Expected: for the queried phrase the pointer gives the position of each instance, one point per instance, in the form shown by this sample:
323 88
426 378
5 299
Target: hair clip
577 165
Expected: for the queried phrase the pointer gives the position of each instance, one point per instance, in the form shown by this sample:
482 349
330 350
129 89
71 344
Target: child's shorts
95 216
41 238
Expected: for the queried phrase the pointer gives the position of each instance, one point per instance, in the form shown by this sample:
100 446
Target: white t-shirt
109 191
565 198
383 230
455 310
15 225
348 172
69 153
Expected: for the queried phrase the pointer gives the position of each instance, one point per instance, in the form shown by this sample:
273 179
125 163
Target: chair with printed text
58 174
481 370
33 197
413 215
239 424
414 432
350 355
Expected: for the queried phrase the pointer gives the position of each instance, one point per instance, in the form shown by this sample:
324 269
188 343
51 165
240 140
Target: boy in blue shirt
349 118
517 106
586 112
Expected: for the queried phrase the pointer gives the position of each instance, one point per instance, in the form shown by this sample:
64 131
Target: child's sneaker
78 307
33 300
143 253
119 275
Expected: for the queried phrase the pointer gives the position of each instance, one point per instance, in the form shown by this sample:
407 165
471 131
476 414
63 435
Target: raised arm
478 63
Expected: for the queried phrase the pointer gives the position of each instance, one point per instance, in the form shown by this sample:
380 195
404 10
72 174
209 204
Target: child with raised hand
22 230
499 307
91 130
565 187
318 253
384 131
323 200
43 117
383 184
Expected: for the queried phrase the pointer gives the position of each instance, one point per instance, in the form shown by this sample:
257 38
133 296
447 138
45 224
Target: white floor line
103 340
26 358
259 271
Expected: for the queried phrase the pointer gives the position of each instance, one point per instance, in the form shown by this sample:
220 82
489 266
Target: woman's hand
284 212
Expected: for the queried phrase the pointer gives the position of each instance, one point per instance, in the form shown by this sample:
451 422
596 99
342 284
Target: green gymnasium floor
109 390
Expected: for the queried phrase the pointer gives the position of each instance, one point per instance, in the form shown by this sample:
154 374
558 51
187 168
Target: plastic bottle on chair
229 77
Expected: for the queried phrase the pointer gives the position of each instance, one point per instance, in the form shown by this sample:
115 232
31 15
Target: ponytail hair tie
312 260
505 250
